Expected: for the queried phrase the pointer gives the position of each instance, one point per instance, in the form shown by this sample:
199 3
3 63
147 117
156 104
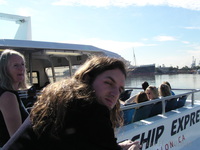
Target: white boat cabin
47 62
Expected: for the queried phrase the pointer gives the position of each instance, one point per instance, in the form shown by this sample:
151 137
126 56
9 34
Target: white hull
175 130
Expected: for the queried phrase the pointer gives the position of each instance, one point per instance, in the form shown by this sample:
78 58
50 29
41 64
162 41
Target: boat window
60 72
35 77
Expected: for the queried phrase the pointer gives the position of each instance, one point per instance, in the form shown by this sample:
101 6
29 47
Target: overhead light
65 53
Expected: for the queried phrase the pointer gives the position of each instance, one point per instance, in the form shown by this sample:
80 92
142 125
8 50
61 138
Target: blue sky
160 31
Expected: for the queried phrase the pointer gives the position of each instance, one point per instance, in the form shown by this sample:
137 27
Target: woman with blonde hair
12 79
152 92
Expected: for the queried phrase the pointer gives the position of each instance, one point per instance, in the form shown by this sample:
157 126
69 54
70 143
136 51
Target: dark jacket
87 126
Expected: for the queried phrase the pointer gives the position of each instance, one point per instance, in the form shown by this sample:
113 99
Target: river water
177 81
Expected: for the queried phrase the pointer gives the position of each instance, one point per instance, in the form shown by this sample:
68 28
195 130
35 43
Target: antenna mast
134 59
24 30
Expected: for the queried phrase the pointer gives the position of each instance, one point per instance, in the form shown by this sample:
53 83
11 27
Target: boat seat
125 95
156 109
171 104
142 112
181 101
128 115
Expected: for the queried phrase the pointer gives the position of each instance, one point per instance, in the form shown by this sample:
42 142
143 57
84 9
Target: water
177 81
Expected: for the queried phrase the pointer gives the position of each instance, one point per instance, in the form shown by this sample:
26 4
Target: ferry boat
135 70
177 129
142 70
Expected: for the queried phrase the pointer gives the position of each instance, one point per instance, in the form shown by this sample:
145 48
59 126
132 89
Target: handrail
163 99
138 88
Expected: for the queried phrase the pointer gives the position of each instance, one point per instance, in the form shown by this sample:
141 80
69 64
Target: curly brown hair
50 110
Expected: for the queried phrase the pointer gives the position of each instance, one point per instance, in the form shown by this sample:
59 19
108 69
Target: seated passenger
145 84
128 114
141 97
166 82
12 79
152 93
164 90
142 112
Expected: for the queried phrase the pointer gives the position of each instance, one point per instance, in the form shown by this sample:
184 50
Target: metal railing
163 99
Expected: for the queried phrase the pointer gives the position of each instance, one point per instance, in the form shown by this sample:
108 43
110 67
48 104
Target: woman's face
16 68
108 86
150 94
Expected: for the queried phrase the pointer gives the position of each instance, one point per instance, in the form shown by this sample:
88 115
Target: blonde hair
154 91
5 78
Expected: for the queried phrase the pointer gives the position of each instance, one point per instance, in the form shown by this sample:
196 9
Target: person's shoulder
131 99
2 91
95 107
8 98
172 93
8 95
